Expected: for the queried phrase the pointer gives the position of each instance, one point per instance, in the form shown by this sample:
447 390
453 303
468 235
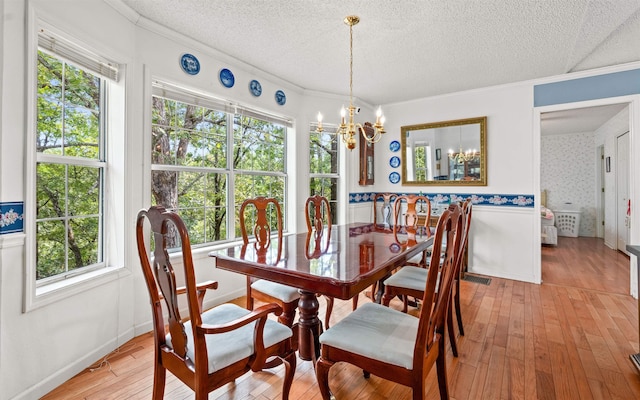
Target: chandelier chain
349 128
351 64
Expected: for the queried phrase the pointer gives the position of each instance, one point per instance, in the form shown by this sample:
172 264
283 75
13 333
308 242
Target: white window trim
34 295
166 89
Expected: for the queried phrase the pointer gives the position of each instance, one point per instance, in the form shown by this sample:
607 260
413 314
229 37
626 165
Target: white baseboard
70 370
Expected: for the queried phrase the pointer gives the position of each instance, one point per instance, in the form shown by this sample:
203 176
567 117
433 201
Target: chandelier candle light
347 130
463 157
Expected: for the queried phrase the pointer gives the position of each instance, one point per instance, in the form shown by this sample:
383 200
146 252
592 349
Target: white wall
42 348
502 239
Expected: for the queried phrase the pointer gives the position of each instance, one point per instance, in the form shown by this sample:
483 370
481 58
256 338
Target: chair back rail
433 319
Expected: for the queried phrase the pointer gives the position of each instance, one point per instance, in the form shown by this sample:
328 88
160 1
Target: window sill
60 290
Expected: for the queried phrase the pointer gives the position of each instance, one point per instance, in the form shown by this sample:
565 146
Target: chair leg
159 378
456 301
288 314
441 368
249 297
386 299
289 371
452 334
322 375
354 302
327 315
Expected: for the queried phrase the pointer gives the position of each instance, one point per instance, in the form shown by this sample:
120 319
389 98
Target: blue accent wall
615 84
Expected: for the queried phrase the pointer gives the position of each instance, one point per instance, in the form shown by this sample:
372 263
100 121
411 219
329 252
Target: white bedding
548 219
549 231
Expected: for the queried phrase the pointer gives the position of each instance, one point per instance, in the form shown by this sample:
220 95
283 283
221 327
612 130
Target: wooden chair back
432 323
317 212
416 216
318 216
266 220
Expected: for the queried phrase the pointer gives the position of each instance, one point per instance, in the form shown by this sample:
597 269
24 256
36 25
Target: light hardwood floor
569 338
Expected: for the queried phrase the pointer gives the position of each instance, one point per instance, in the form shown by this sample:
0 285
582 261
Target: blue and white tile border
501 200
11 217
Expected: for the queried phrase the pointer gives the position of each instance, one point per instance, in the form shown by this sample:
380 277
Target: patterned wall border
11 217
502 200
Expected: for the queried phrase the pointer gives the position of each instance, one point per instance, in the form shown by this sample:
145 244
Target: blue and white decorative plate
394 162
394 146
280 97
226 78
394 177
190 64
255 87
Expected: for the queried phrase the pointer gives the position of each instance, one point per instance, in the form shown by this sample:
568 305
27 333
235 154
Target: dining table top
340 262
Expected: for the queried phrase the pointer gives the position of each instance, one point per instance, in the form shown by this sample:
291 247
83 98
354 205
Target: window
422 153
324 167
70 160
207 158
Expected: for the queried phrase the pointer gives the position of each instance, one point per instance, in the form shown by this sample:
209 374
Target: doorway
582 118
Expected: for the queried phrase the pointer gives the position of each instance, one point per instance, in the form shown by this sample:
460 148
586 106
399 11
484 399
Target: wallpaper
567 172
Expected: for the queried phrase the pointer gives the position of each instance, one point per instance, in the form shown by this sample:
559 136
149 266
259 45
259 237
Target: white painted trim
12 240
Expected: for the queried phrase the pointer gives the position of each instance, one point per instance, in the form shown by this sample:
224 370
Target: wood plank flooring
569 338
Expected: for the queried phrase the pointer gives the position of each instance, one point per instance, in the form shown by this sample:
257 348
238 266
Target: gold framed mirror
452 153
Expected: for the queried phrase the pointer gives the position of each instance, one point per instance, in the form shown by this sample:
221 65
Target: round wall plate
280 97
394 146
255 87
226 78
394 177
394 162
190 64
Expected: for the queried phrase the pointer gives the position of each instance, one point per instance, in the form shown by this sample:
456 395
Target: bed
549 234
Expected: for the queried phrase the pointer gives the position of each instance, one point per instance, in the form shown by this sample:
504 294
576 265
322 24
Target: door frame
633 102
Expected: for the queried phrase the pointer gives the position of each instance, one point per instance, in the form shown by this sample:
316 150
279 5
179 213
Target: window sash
173 92
60 47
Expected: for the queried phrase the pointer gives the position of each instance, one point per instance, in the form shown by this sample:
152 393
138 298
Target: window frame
333 130
40 293
173 92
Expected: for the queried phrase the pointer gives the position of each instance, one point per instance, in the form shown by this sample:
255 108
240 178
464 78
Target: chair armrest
201 289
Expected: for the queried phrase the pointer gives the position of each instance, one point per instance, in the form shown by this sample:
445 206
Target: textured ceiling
408 49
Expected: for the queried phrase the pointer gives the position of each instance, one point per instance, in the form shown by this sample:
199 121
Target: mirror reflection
445 153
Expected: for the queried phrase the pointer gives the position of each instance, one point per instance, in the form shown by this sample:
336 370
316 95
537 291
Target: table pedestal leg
309 327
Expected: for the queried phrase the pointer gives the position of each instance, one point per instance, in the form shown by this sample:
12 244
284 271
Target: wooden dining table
340 263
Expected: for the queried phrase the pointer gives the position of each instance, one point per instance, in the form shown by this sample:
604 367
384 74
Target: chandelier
347 129
461 156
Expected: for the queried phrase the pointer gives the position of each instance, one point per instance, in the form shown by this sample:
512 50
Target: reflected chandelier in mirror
452 153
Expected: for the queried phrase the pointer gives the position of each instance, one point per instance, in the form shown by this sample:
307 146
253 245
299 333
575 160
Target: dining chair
317 211
410 280
266 221
467 210
383 208
208 348
412 216
394 345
